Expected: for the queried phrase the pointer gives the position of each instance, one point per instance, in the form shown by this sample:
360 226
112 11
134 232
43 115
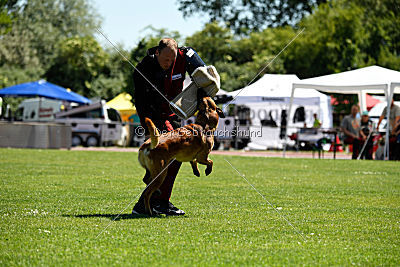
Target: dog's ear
220 113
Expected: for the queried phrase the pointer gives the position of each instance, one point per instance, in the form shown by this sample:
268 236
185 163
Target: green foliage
40 26
344 35
117 71
107 87
338 36
8 8
213 43
233 76
80 60
13 75
381 19
55 203
55 38
244 17
262 47
331 42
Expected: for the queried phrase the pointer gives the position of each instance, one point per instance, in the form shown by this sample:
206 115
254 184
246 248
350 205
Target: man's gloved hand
169 126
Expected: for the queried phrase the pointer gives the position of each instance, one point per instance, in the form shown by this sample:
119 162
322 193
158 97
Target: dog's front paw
208 170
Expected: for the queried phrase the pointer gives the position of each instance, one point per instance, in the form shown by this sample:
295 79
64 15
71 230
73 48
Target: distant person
394 117
317 123
351 128
365 130
396 144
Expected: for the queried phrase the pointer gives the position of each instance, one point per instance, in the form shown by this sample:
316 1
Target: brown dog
191 142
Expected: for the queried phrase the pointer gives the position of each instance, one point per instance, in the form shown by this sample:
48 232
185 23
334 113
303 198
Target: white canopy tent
373 79
272 92
277 88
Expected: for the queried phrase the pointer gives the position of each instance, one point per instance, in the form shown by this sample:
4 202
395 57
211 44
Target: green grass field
55 203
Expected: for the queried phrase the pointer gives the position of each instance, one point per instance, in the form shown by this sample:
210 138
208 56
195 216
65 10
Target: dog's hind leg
147 180
194 168
158 174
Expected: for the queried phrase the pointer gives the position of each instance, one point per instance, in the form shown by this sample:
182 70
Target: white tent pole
288 120
362 98
389 101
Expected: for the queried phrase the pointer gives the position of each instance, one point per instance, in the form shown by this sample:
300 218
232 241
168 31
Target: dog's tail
154 134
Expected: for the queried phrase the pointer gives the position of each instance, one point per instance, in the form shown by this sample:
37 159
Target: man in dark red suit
165 67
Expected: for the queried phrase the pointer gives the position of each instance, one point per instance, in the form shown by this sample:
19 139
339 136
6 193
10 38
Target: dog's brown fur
191 143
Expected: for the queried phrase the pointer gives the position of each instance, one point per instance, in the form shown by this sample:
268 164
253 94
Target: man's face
166 57
354 110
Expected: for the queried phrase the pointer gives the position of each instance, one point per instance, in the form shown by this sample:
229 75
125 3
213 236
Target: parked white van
95 124
38 109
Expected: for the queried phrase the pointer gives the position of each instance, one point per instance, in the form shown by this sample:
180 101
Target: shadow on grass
112 216
126 216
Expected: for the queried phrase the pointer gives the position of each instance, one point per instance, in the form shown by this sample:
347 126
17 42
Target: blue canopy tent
43 88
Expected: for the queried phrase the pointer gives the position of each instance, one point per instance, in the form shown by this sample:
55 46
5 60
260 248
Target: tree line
55 40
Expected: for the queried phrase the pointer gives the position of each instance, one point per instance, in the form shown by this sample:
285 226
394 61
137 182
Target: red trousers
168 184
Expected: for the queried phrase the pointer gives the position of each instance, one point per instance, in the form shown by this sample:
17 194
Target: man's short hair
167 42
